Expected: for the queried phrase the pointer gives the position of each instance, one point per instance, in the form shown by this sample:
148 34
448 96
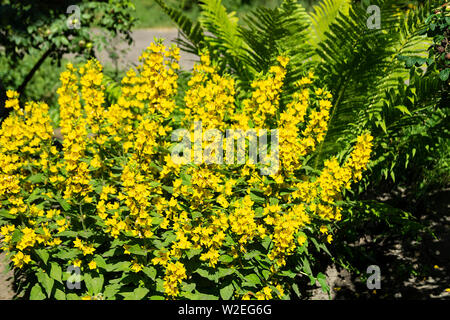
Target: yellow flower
76 263
20 259
329 238
92 265
136 267
323 229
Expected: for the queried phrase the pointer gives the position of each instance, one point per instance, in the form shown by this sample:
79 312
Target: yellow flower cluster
115 175
175 273
261 108
210 97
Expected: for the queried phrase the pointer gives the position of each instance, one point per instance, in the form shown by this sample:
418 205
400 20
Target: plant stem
81 217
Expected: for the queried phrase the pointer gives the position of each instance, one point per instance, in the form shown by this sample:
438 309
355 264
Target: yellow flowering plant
111 215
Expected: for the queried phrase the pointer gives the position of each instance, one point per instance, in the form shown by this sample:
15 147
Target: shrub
113 202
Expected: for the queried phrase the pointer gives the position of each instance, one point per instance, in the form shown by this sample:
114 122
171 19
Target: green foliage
324 14
437 27
37 31
356 63
406 109
359 64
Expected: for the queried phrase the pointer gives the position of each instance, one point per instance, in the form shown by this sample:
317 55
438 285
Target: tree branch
33 70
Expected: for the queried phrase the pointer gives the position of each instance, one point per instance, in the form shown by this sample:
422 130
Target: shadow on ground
414 266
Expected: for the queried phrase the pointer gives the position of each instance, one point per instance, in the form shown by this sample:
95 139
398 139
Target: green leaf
252 280
43 254
206 274
136 249
188 287
111 290
94 285
223 272
67 254
403 109
226 258
308 271
36 178
101 263
56 272
36 293
252 254
60 295
63 203
120 266
256 198
140 293
288 273
5 213
227 292
46 282
36 194
323 282
296 290
444 74
150 272
16 236
193 252
72 296
68 233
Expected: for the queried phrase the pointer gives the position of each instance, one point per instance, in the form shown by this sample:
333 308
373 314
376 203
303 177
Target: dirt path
128 55
6 292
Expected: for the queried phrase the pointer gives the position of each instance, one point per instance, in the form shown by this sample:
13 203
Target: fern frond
192 40
359 65
281 31
323 15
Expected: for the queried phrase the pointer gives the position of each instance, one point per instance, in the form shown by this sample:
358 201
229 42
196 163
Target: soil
6 291
412 267
128 56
